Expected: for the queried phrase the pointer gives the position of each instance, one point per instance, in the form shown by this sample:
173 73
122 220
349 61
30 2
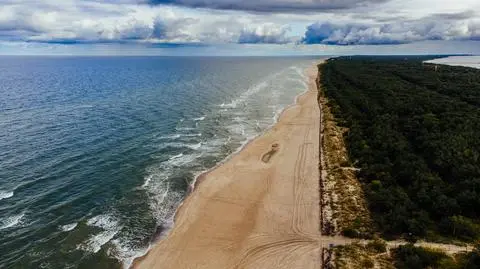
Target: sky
236 27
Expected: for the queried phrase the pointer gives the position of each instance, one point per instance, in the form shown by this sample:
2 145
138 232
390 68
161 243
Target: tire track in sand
299 184
255 211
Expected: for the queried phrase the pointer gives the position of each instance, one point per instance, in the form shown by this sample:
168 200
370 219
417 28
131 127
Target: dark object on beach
267 156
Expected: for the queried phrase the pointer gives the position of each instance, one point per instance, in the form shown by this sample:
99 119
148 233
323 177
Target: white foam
199 119
259 87
191 135
177 136
127 253
238 119
184 128
299 81
156 176
238 129
244 96
103 221
147 181
176 156
299 71
181 159
5 194
258 128
232 104
68 227
110 228
162 194
195 146
174 136
11 221
163 204
95 243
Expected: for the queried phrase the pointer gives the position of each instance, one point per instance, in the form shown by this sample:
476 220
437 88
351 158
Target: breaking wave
108 226
68 227
6 194
11 221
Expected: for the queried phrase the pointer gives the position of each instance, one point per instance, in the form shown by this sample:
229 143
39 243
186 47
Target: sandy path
447 248
258 210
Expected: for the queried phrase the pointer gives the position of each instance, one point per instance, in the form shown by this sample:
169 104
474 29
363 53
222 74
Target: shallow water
98 152
467 61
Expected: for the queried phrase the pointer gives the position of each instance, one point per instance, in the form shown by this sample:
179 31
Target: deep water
96 153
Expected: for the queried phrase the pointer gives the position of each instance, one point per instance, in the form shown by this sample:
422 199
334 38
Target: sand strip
260 209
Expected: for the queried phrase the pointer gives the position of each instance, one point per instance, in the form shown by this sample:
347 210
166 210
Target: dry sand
260 209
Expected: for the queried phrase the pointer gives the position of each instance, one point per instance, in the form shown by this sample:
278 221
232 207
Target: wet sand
260 209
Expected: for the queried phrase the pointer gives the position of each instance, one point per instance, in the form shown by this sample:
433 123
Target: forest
414 133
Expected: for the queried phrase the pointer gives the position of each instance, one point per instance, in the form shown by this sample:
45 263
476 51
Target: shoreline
201 177
198 177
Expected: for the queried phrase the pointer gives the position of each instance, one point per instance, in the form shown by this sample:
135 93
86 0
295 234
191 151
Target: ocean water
96 153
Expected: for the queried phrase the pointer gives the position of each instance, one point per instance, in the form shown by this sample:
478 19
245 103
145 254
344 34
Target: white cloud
441 26
92 22
278 22
267 33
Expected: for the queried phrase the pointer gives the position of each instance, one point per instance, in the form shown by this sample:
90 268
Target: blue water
96 153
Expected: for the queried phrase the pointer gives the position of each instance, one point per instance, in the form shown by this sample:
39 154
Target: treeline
414 131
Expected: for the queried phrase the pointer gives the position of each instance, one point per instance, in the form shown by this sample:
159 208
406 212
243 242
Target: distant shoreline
465 61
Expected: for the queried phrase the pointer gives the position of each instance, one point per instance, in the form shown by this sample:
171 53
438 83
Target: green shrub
377 246
351 232
461 227
411 257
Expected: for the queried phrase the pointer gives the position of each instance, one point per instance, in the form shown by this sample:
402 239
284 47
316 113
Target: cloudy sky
239 27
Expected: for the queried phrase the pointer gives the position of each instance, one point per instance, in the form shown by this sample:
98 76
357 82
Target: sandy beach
260 209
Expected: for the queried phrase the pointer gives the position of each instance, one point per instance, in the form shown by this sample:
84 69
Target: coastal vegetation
356 255
413 132
412 257
344 210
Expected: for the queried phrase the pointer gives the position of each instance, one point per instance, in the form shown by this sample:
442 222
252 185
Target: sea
97 153
467 61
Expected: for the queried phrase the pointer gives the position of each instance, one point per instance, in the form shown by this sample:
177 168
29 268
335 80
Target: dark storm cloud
469 14
269 5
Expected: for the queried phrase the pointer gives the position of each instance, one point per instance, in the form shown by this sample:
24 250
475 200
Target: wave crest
6 194
110 228
11 221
